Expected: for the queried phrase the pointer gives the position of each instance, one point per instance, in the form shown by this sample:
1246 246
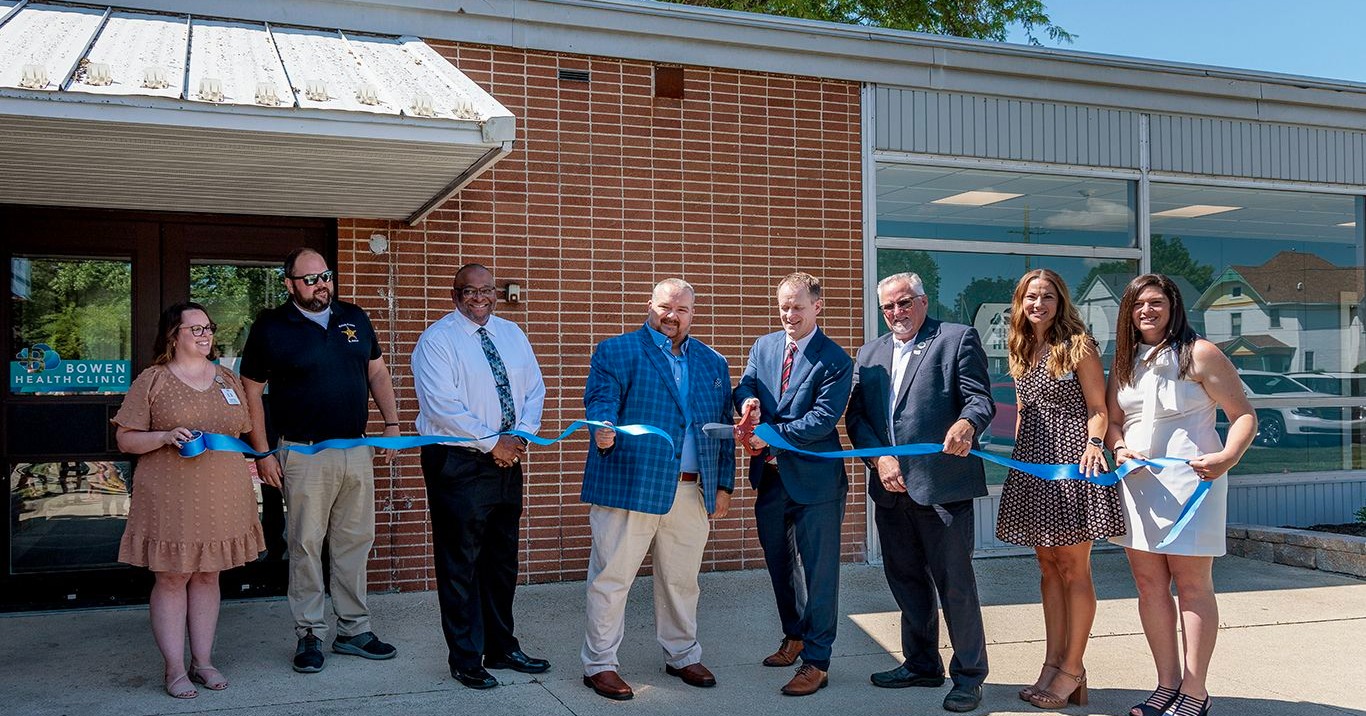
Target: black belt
310 442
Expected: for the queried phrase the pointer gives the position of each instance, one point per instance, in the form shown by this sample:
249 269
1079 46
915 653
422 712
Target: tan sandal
1046 699
184 693
208 682
1045 677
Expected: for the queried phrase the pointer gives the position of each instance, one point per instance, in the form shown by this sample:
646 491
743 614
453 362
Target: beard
315 304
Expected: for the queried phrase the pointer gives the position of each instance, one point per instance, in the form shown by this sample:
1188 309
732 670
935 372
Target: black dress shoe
963 698
901 677
474 678
517 661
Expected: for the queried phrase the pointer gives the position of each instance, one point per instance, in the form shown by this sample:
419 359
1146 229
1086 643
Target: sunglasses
312 279
198 331
901 305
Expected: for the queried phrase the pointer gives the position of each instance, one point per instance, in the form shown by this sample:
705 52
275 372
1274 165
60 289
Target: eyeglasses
472 292
312 279
901 305
198 331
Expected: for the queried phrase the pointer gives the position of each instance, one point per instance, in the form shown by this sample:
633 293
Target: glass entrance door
85 292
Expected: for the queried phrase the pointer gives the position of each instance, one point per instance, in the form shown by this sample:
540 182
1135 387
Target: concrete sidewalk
1293 642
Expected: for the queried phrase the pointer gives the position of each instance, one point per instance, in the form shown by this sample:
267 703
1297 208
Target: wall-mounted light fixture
379 244
514 293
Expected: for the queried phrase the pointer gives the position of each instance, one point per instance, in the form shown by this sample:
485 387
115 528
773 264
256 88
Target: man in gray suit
798 381
926 381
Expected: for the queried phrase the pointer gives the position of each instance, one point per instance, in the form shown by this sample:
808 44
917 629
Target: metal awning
113 108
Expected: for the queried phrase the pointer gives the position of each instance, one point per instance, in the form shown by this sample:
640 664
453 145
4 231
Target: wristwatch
1098 442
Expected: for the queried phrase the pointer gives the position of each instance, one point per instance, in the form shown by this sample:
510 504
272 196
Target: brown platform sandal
1046 699
1045 676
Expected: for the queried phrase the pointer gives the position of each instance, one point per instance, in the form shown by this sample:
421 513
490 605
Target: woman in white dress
1165 385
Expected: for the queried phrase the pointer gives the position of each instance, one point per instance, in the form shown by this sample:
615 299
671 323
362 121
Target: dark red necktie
787 364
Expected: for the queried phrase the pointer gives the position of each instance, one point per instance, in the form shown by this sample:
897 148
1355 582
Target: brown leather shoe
693 675
808 680
787 653
609 685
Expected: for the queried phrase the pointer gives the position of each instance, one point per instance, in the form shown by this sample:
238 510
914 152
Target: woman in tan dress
190 518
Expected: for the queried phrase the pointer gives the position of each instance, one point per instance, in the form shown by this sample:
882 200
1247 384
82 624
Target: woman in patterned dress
190 518
1165 386
1060 389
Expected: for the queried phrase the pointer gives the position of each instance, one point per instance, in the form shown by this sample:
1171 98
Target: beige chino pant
621 538
330 498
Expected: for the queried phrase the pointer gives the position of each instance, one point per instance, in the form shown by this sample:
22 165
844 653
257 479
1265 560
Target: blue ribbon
770 435
201 442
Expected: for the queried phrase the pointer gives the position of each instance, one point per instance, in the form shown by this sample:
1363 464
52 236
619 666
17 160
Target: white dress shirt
456 394
901 358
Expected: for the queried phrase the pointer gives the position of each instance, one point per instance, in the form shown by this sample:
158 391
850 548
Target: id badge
230 395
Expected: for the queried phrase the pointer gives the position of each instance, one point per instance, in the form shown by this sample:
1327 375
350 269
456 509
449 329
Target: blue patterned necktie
500 379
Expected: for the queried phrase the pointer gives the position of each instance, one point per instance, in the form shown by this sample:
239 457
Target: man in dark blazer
648 495
926 381
798 381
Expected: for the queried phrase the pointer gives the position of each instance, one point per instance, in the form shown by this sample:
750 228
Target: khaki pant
330 498
620 540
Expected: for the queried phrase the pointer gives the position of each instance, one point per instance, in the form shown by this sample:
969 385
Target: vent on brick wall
669 82
574 75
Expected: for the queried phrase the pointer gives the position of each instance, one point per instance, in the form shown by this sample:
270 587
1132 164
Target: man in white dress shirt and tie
476 376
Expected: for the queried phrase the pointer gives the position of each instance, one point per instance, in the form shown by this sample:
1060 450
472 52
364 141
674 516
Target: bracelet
391 425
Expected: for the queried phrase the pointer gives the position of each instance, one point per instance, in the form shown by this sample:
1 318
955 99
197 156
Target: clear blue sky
1317 38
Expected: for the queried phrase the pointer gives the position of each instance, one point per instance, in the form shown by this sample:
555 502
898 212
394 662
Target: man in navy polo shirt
323 362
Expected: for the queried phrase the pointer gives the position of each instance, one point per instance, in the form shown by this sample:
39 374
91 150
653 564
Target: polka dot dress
1053 513
188 514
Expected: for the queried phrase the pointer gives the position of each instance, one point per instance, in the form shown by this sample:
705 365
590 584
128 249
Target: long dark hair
167 327
1066 335
1180 337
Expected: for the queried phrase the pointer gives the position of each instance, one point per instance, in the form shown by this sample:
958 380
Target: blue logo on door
39 358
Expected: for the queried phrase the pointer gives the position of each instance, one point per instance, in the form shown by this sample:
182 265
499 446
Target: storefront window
1275 279
72 322
976 288
67 514
978 205
234 293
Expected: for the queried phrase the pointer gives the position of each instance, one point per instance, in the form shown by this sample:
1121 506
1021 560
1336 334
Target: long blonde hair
1066 336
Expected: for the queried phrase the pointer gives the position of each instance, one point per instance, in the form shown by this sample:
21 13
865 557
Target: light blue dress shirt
689 461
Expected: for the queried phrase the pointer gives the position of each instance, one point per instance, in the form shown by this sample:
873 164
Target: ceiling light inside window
975 198
1195 210
1349 224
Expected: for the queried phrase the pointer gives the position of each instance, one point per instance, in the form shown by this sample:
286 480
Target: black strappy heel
1157 702
1190 706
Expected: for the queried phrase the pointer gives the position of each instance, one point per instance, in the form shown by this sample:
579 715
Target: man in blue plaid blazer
644 490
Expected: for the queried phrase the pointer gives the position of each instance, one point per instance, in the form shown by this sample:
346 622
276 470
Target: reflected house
992 322
1296 312
1098 303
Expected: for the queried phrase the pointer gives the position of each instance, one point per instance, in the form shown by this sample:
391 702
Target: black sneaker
308 656
365 644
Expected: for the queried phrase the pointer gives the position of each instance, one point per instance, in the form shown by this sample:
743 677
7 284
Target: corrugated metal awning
113 108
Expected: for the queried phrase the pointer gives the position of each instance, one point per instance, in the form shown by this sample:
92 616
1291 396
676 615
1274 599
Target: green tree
980 291
890 261
1171 257
980 19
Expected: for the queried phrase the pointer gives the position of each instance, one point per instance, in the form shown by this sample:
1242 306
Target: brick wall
609 189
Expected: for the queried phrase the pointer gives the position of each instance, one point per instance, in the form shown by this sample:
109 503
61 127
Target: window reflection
1275 280
233 295
72 323
976 288
978 205
67 514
